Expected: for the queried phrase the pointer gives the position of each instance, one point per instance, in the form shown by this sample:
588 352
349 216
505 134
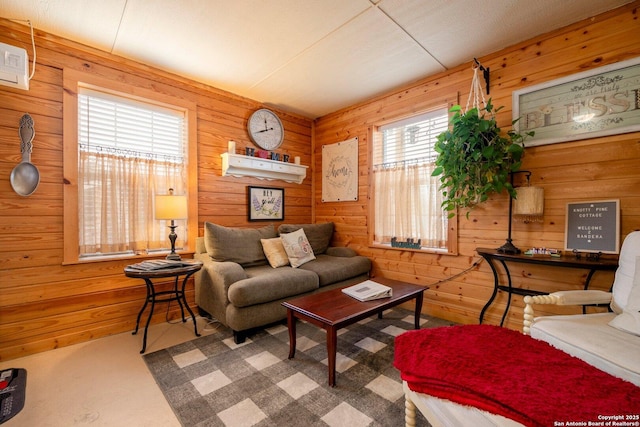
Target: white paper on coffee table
368 290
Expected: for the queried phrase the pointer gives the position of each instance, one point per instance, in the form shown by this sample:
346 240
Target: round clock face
265 129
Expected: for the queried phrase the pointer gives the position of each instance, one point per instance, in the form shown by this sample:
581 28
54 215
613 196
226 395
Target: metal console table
175 294
493 257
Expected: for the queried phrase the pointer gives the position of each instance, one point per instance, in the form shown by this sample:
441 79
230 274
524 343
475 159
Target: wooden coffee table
332 310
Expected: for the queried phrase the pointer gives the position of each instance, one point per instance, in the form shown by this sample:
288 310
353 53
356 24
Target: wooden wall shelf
238 165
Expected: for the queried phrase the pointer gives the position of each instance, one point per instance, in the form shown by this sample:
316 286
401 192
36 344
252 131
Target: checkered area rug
211 381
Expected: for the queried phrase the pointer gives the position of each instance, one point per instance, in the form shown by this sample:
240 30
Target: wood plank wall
44 304
601 168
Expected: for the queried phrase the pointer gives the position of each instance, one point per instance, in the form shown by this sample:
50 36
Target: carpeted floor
211 381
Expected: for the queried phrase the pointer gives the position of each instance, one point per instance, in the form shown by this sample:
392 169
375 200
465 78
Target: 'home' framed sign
593 227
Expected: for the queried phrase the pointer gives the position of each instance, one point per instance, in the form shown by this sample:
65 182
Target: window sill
423 250
129 257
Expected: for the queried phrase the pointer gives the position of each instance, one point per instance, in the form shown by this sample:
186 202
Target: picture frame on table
593 226
599 102
265 203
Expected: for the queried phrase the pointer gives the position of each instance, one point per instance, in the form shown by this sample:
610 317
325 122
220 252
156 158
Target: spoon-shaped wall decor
25 177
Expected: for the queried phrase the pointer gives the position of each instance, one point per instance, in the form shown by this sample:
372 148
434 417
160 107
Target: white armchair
562 298
609 341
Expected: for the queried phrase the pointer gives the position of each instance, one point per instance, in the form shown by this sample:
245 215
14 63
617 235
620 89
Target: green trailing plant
475 159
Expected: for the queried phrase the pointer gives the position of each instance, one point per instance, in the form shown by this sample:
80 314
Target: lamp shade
529 202
171 207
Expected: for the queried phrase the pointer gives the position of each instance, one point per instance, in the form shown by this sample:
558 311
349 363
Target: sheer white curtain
116 201
408 204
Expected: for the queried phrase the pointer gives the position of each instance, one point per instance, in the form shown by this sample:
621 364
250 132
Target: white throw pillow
298 248
274 250
629 319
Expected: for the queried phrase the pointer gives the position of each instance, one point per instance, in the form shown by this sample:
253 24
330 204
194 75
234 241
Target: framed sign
340 171
604 101
265 204
593 227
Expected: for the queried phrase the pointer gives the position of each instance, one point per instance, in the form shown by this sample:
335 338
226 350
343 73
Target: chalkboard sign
593 227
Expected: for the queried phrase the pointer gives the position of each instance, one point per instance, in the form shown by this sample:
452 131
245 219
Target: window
407 199
123 151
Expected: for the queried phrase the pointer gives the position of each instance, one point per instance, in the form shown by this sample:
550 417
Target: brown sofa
238 287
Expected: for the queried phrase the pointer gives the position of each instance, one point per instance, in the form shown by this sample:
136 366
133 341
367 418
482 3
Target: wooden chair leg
409 412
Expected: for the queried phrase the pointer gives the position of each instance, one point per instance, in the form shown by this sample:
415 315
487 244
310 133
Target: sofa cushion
240 245
200 246
319 235
297 247
590 338
274 251
625 272
331 269
265 284
629 319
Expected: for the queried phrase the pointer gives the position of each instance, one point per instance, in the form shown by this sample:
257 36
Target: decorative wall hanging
265 203
340 171
604 101
25 177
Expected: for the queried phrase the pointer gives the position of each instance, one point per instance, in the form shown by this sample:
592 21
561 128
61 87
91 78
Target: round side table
186 269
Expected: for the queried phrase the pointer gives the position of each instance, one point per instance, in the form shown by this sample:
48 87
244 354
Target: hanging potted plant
475 159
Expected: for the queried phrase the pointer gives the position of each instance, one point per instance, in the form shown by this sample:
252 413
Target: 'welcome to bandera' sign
593 227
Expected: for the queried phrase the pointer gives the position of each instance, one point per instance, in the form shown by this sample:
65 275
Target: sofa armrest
341 251
222 274
212 284
577 297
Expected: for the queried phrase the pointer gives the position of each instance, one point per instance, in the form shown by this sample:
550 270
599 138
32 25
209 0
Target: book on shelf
368 291
159 264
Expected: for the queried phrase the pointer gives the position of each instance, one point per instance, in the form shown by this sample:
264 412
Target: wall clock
265 129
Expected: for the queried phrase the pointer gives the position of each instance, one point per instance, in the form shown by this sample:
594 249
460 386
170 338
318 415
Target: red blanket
507 373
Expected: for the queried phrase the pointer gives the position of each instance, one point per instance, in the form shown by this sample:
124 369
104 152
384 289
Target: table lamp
171 207
528 205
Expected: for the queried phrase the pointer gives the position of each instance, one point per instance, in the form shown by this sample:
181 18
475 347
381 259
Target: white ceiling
310 57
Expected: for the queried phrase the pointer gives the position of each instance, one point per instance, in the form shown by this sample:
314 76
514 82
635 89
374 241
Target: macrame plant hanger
475 92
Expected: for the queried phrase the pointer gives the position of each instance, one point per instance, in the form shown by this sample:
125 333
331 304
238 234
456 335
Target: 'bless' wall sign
603 101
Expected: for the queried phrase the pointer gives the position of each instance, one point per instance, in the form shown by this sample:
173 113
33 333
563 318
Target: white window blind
129 127
410 140
129 151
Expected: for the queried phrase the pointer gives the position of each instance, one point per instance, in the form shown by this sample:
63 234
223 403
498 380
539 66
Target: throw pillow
629 319
240 245
297 247
274 250
319 235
